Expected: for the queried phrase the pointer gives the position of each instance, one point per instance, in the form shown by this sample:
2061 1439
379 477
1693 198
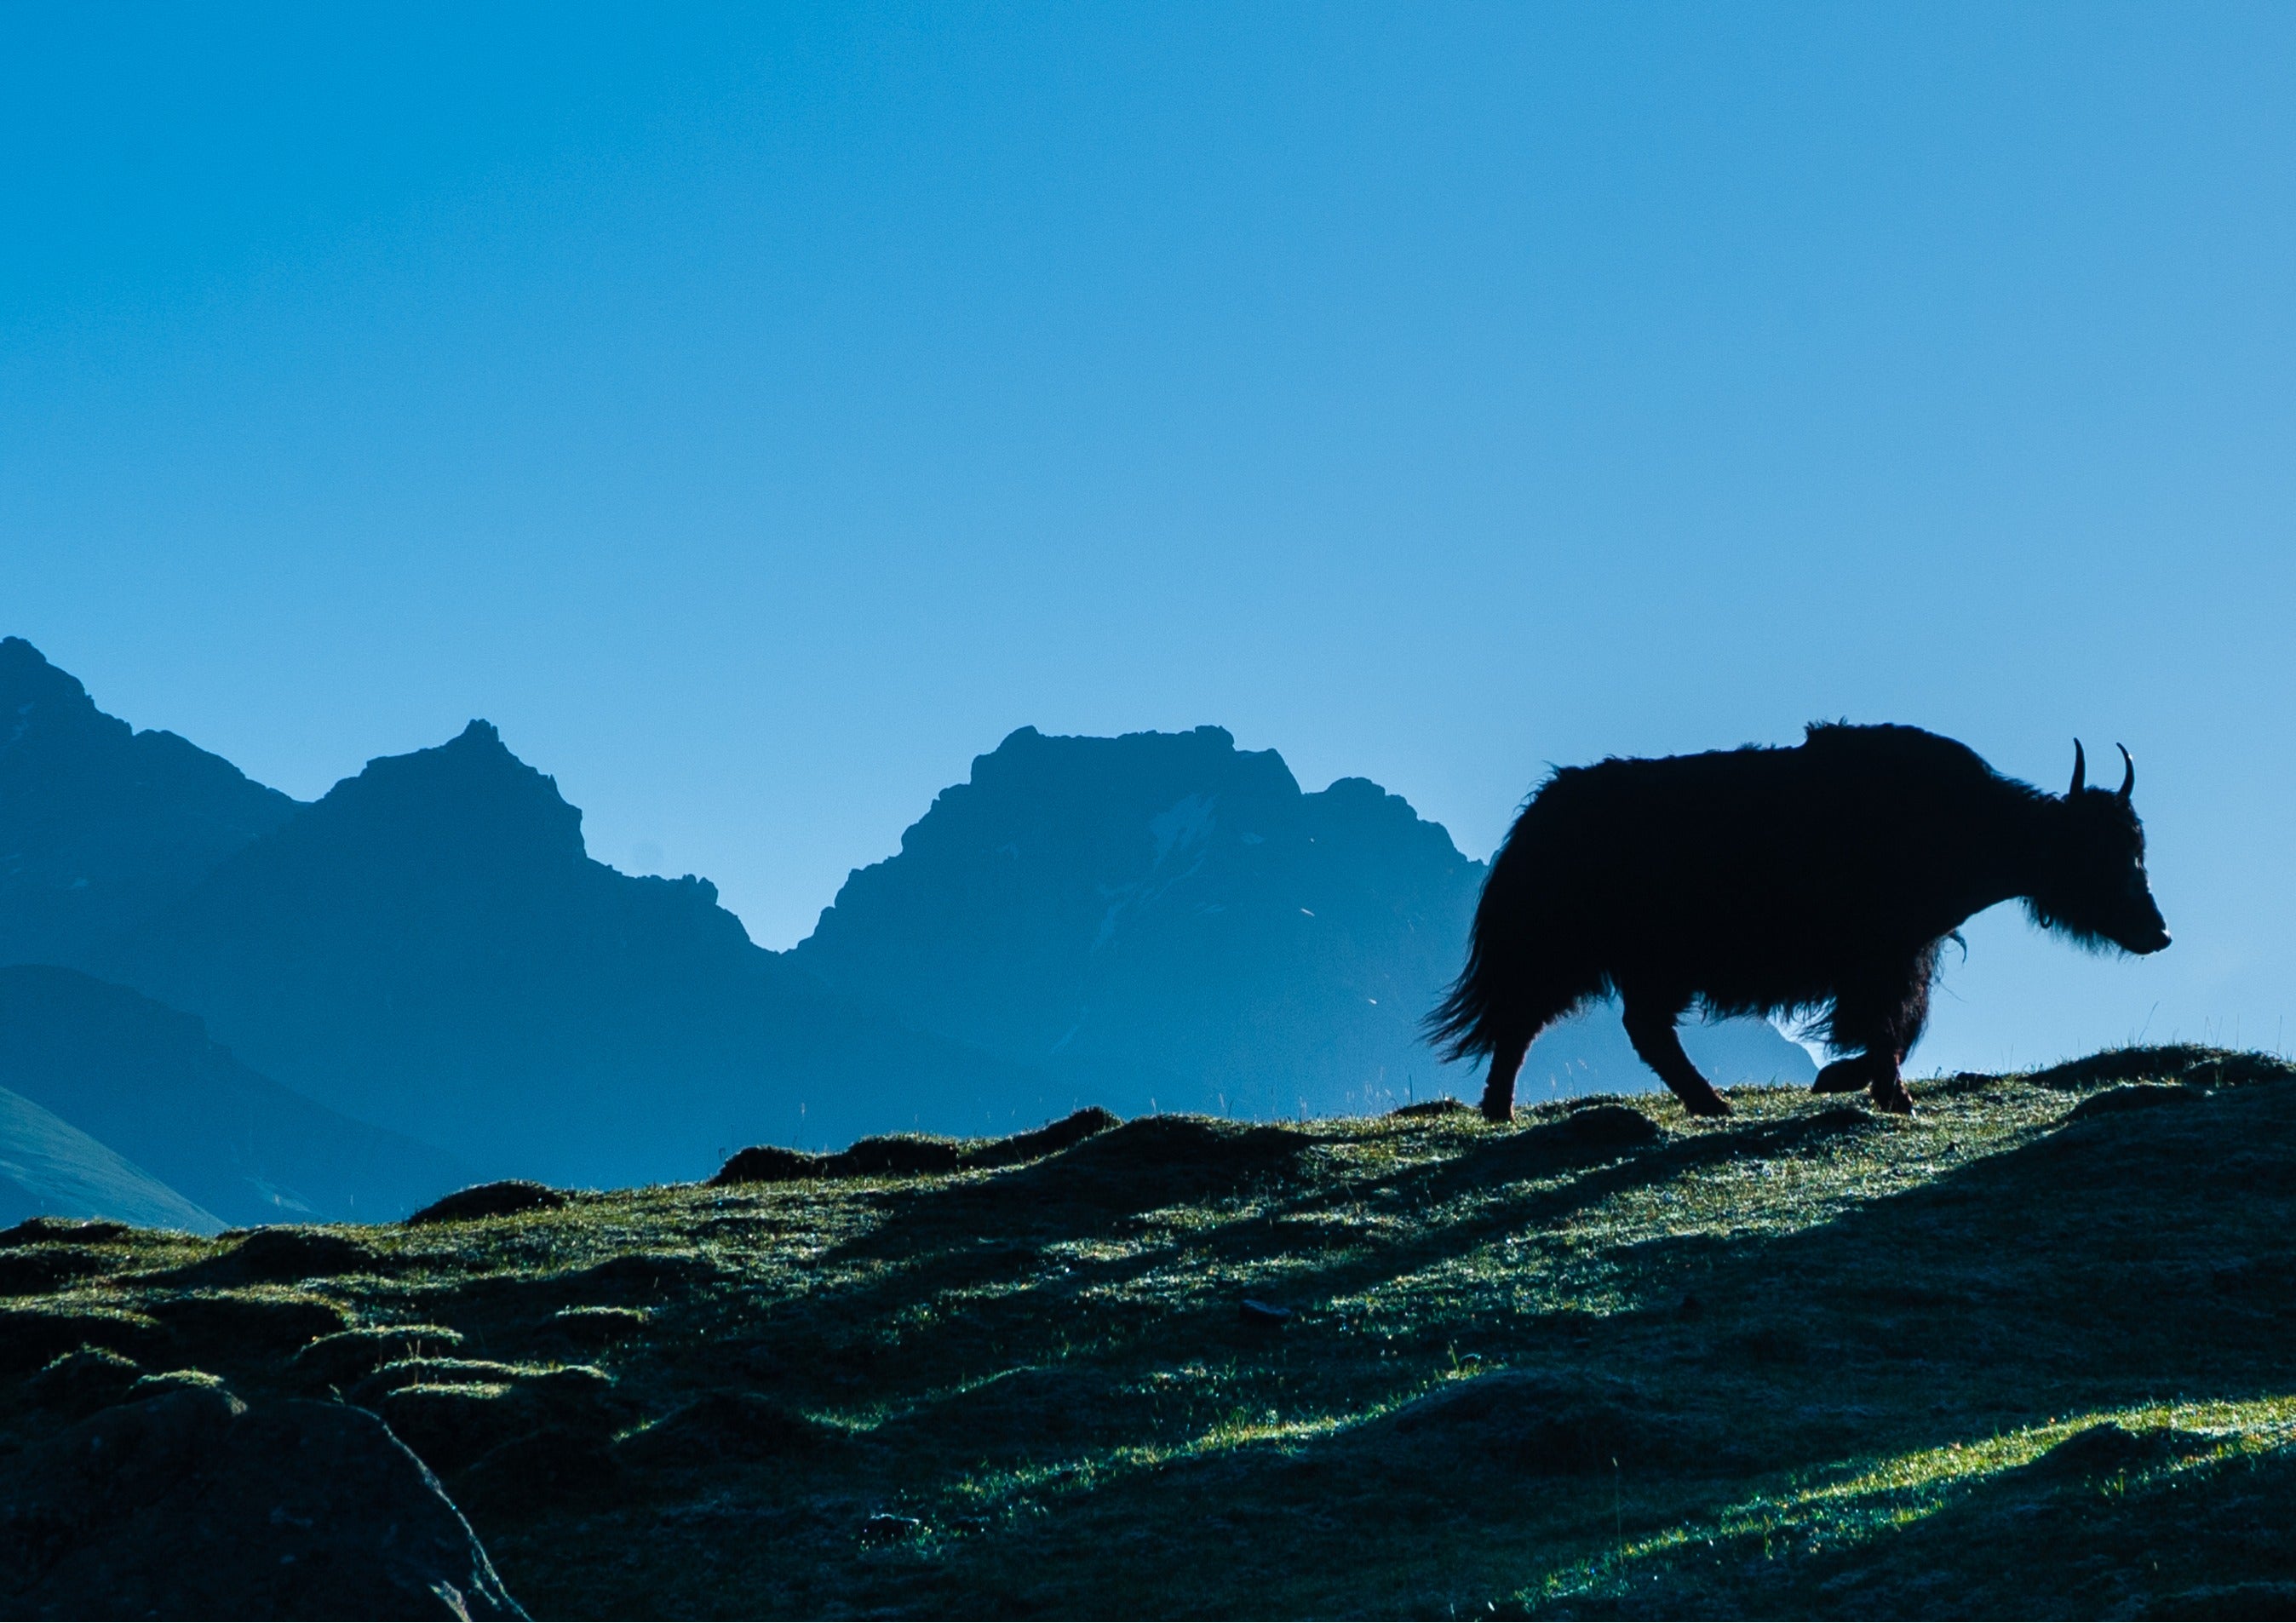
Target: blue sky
757 415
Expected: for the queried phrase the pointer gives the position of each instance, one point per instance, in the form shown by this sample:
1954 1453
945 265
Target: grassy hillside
2026 1353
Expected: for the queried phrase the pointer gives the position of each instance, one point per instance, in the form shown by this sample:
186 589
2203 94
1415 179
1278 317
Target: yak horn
2080 771
2128 776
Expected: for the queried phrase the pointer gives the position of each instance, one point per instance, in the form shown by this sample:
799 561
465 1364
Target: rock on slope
100 824
148 1082
194 1505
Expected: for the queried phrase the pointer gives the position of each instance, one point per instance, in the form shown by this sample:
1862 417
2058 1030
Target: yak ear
2080 771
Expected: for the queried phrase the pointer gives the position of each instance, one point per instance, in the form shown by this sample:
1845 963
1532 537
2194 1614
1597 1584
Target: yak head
2093 884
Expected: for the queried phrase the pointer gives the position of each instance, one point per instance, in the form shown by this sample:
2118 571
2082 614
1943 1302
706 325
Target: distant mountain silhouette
147 1083
1164 917
101 826
429 947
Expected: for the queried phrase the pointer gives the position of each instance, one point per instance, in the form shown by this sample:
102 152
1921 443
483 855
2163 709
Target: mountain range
428 954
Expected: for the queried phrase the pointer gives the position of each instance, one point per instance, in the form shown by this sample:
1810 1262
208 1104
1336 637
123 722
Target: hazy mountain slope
49 1168
100 824
147 1081
1165 917
428 947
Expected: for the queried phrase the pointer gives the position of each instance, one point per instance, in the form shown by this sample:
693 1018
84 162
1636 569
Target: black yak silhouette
1819 880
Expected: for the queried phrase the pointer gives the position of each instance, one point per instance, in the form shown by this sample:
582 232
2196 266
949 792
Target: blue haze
759 418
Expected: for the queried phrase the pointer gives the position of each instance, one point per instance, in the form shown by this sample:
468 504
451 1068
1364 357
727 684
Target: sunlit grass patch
1837 1510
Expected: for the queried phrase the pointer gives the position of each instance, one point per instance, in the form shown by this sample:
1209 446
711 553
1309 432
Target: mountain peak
470 793
29 685
102 825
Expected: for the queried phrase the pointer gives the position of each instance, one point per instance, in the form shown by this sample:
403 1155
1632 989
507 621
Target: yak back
1750 875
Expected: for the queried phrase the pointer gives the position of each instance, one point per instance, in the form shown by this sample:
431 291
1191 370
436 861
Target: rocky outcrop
194 1505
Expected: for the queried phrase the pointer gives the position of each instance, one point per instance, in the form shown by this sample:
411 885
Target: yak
1818 880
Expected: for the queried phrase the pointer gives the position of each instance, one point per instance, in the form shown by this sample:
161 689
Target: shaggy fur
1818 880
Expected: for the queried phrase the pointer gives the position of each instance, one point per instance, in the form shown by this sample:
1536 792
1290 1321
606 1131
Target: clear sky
759 414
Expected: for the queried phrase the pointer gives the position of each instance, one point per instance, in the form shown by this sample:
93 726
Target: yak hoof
1893 1100
1498 1111
1713 1105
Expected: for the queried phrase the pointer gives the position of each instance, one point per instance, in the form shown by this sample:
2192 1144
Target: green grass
1999 1359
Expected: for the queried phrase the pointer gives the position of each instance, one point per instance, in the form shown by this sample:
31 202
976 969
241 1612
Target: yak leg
1650 1027
1499 1088
1885 1021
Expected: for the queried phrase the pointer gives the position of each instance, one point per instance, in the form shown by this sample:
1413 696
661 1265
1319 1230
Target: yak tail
1459 1025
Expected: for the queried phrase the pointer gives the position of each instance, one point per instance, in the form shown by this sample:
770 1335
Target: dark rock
2110 1450
36 1231
79 1383
37 1270
2135 1096
896 1155
1604 1126
1162 1159
505 1199
884 1527
1427 1109
30 1337
194 1506
233 1324
1067 1132
1263 1313
770 1164
722 1426
285 1253
351 1356
914 1154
